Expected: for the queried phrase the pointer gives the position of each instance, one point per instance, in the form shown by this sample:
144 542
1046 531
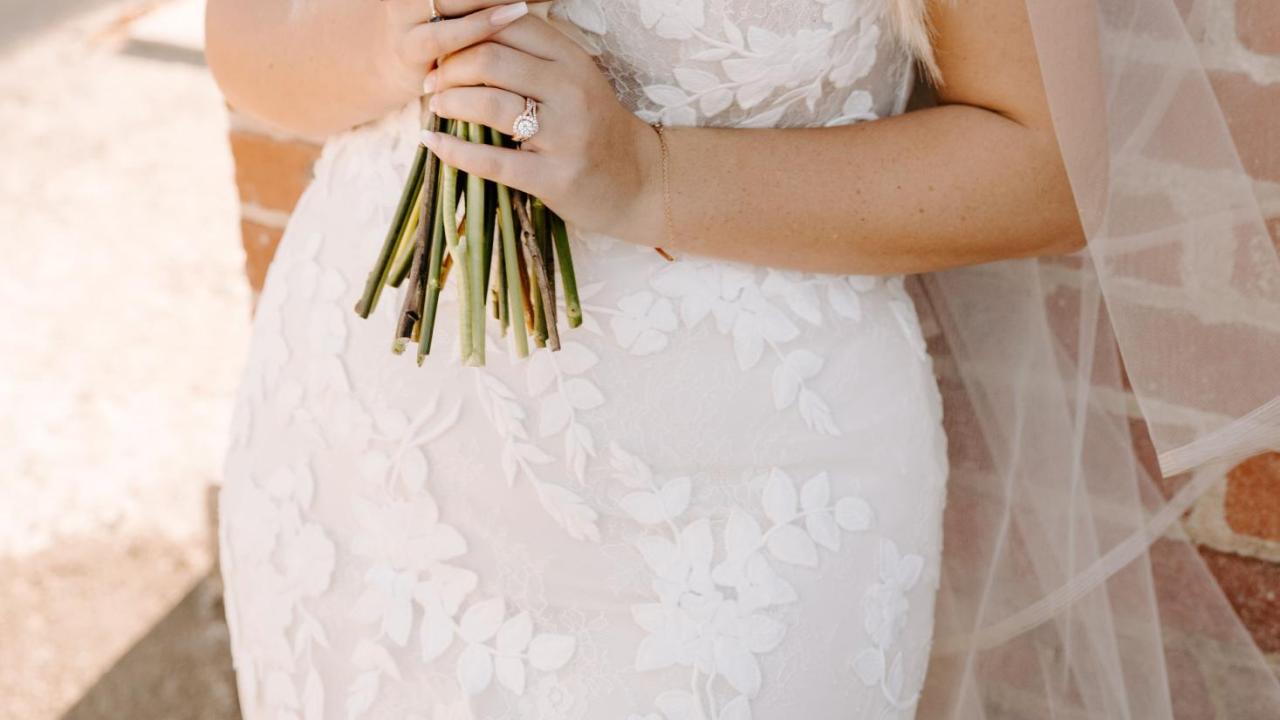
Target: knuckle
442 104
485 59
558 178
489 166
423 42
493 106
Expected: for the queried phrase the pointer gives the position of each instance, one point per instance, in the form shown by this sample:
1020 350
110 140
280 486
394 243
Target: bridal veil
1069 589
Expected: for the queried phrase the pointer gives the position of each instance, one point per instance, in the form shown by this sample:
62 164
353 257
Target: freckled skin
985 158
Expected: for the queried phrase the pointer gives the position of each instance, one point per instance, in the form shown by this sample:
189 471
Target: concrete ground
123 322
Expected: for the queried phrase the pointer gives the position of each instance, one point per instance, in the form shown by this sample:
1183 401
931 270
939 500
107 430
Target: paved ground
124 322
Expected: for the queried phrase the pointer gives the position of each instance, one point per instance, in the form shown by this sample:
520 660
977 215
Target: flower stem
377 276
434 280
515 298
457 251
406 246
476 255
569 279
546 247
544 307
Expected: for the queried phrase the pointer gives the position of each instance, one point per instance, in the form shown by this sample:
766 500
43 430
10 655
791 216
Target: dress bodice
721 499
745 63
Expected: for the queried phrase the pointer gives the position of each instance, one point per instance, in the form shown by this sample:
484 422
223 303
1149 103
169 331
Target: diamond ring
526 124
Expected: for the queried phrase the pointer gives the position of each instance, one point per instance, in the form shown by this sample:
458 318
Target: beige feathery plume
910 22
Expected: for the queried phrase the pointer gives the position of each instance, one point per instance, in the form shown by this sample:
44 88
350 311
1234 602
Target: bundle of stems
503 246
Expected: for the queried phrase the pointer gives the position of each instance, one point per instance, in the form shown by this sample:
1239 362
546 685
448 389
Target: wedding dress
722 499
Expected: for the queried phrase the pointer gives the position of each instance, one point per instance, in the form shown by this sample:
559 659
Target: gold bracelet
666 186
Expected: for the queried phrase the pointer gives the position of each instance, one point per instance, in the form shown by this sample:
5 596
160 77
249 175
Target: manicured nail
509 13
429 84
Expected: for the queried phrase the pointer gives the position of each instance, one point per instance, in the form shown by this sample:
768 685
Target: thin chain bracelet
666 186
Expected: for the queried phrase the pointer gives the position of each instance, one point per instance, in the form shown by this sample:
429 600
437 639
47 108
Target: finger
428 41
458 8
513 168
492 107
539 38
496 66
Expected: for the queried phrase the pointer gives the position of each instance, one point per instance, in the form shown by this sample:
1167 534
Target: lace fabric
721 499
727 496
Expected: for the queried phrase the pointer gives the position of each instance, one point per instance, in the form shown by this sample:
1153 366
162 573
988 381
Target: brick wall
1236 526
272 170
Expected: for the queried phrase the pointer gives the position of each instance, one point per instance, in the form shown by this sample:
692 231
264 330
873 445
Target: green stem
378 275
475 254
434 286
567 275
449 191
544 309
511 266
490 225
500 279
406 246
542 232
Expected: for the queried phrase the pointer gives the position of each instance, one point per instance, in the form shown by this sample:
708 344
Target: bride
723 498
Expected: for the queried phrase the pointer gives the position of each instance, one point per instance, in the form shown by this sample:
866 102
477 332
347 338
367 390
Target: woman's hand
592 161
412 43
318 68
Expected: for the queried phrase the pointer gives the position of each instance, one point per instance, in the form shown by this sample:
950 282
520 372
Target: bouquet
503 246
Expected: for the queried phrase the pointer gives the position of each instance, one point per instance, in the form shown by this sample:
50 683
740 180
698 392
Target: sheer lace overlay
721 499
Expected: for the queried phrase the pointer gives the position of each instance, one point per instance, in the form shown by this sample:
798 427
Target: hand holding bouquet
477 202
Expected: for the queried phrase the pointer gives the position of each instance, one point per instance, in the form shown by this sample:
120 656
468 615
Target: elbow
1061 231
1064 234
237 54
220 48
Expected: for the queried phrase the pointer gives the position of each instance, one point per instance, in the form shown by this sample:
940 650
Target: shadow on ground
181 670
24 18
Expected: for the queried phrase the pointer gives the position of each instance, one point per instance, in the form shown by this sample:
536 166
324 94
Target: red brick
1251 112
1231 349
1192 693
1243 689
1254 270
1177 567
1258 25
260 244
1253 588
1252 504
1063 311
272 173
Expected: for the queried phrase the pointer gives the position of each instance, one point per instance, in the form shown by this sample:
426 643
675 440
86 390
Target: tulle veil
1069 589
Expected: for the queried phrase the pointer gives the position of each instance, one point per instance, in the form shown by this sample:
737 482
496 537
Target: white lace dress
721 500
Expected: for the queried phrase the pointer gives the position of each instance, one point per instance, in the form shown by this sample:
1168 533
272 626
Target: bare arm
319 67
979 178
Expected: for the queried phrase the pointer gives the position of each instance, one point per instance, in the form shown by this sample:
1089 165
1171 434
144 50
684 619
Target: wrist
644 221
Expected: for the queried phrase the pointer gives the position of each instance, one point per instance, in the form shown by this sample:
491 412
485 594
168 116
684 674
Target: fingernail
430 139
431 104
429 84
509 13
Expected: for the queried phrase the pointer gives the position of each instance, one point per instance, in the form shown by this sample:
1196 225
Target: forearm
309 67
938 188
